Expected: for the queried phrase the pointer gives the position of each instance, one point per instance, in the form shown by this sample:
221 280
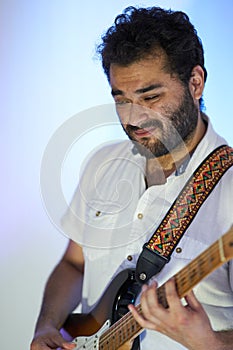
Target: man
154 63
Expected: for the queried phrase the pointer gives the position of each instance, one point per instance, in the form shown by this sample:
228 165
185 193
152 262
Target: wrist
46 324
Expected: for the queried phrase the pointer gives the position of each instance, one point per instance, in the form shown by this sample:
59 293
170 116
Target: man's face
156 111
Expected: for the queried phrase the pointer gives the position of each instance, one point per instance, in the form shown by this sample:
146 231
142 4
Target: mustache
148 124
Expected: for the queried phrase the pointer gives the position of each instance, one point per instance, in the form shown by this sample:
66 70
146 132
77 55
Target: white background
47 75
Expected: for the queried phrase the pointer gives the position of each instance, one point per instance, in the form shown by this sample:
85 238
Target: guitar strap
157 251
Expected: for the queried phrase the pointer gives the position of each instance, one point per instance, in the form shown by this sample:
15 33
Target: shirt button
129 257
178 250
140 216
98 213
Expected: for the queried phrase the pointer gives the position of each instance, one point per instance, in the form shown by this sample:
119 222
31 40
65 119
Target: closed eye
153 97
122 102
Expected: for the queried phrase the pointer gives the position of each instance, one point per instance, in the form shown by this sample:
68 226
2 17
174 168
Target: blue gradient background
48 74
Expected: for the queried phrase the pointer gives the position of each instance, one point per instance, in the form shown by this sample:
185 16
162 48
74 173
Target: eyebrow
139 91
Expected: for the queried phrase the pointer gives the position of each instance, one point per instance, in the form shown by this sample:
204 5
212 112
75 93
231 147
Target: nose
133 113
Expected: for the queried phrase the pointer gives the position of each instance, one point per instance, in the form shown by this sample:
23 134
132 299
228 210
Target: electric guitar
110 326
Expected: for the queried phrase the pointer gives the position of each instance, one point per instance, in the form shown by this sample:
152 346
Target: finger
149 299
140 319
192 301
173 299
152 310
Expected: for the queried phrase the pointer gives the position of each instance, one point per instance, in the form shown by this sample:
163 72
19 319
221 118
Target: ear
196 82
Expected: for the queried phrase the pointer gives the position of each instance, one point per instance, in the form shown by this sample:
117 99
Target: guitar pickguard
122 291
91 342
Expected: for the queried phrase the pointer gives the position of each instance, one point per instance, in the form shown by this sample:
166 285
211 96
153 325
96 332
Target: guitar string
114 329
124 335
127 319
193 270
211 257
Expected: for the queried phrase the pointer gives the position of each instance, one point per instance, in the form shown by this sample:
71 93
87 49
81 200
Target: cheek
162 110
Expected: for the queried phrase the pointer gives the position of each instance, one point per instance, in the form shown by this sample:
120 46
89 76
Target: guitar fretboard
218 253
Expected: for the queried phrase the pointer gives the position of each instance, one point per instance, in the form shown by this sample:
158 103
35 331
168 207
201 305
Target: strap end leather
149 264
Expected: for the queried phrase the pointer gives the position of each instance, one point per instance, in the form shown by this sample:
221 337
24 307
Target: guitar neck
217 254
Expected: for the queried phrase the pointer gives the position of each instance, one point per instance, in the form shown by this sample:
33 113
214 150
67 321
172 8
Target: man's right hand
50 338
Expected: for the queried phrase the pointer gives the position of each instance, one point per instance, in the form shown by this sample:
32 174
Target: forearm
62 294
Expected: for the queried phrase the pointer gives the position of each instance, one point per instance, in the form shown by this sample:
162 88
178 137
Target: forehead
137 74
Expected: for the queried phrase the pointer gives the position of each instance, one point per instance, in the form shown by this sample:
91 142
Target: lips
147 132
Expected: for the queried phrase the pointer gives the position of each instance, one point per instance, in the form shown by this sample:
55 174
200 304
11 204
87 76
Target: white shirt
113 214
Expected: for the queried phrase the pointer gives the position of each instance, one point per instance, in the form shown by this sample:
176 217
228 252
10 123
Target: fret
123 330
221 250
200 267
210 259
126 328
194 272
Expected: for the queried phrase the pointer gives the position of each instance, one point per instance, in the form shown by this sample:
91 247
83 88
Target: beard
175 128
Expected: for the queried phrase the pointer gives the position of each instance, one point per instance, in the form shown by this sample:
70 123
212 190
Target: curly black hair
139 32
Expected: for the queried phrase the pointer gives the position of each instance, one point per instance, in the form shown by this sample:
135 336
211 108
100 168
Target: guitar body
122 291
110 326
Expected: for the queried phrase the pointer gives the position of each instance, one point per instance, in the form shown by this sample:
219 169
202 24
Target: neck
159 169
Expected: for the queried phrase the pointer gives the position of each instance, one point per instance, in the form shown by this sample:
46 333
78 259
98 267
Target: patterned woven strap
187 204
